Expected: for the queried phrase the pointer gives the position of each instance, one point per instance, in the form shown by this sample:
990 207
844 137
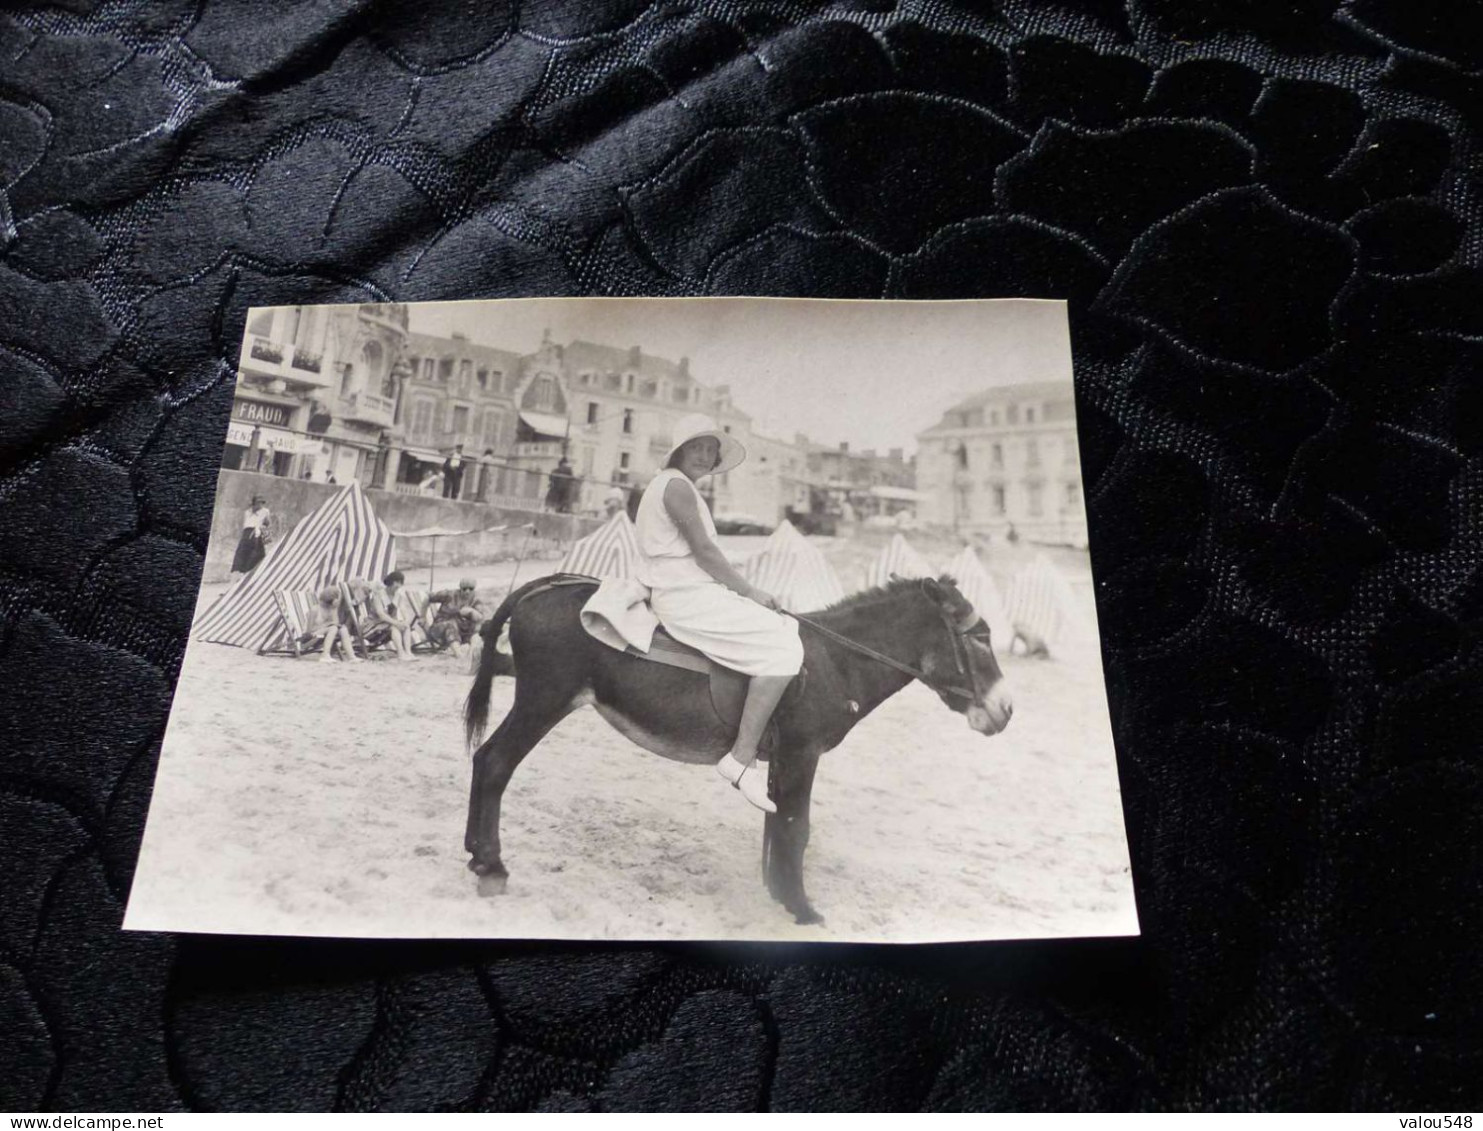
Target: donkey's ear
933 588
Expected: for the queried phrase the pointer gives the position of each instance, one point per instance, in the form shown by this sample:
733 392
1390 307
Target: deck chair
421 610
296 612
359 618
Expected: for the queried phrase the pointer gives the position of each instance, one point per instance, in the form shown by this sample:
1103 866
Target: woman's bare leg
762 699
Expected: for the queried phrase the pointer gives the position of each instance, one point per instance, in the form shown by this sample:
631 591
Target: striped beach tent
978 585
339 540
793 570
899 558
1042 600
612 550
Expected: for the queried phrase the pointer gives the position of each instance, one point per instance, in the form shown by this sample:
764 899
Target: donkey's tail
492 662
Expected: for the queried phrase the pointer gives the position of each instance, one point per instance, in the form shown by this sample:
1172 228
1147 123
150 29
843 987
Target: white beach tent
1041 599
341 539
978 585
897 558
612 550
793 570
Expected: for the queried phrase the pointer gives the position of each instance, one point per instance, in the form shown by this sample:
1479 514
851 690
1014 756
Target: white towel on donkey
618 614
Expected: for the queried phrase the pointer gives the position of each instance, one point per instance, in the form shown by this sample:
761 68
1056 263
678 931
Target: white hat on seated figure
697 424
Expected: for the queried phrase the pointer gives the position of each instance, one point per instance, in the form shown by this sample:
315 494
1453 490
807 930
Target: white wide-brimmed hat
697 424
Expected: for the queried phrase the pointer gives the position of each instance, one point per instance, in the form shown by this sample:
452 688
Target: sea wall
291 499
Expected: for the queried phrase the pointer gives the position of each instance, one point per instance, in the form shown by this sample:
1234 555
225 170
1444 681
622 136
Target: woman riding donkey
702 601
859 653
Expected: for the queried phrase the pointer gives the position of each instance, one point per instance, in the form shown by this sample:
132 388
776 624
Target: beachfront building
774 480
1006 457
456 392
315 394
624 404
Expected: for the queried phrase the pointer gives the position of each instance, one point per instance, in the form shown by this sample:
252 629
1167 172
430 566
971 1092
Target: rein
905 669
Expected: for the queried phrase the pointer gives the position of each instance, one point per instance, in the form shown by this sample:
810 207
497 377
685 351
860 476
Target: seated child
329 624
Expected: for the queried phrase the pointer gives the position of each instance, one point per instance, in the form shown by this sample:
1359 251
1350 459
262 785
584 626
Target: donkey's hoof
492 877
806 916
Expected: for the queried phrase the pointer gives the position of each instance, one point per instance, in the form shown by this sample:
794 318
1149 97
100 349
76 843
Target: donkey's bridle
960 655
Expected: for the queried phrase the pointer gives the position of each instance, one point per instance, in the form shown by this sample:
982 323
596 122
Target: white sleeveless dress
698 610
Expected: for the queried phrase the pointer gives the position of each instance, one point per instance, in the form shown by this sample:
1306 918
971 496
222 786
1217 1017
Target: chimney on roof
684 367
459 336
844 447
635 357
897 454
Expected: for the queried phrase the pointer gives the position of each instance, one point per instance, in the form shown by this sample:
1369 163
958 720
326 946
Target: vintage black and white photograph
752 619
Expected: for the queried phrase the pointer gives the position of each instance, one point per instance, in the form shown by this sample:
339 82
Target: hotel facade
1003 459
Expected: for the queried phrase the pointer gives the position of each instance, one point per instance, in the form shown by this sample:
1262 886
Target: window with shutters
422 418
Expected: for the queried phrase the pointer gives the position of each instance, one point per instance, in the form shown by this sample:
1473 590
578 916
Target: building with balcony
456 392
624 405
315 391
1006 457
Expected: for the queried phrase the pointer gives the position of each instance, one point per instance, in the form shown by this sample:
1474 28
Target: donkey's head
959 659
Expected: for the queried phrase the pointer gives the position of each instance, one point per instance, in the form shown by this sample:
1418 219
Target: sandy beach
329 799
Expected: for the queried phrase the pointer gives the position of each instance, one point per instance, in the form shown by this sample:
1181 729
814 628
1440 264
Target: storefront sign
272 440
256 412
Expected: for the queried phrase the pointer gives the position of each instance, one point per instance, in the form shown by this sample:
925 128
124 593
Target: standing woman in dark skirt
252 546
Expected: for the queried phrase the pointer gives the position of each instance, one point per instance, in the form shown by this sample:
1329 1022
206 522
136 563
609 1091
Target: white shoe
753 786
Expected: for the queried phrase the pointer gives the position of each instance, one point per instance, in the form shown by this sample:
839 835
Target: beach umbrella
436 532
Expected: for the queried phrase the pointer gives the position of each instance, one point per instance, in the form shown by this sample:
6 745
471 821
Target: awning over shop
273 439
424 455
897 494
545 423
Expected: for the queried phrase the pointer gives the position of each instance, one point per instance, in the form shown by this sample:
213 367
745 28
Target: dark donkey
857 654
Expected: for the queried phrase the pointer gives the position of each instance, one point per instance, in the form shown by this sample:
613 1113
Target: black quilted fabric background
1266 215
